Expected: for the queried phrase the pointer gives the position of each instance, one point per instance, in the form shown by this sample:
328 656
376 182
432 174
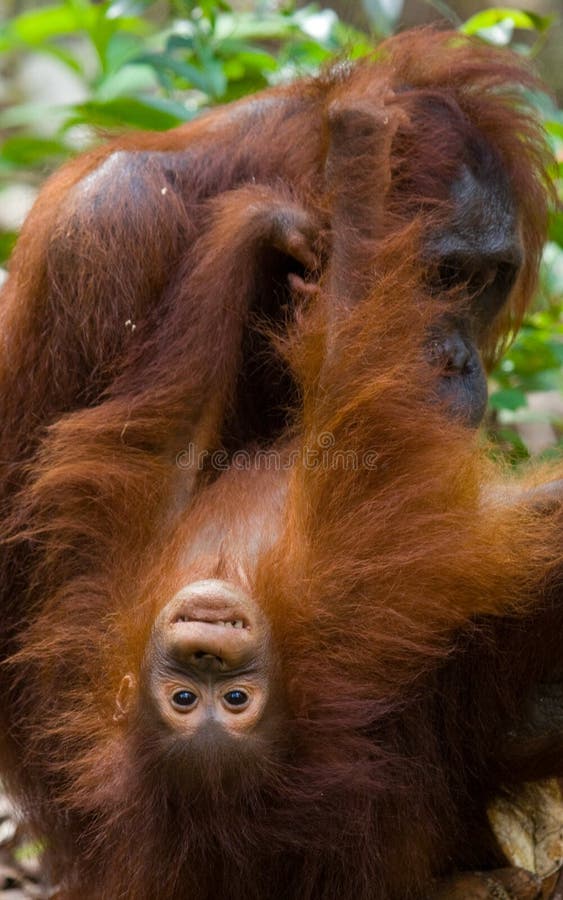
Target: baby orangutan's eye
236 698
184 699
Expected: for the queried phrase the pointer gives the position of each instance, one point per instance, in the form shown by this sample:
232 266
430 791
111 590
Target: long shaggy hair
407 585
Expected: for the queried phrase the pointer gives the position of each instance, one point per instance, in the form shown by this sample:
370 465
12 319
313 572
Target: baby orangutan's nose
207 662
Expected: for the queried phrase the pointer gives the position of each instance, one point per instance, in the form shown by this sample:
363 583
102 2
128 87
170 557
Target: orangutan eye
236 698
184 698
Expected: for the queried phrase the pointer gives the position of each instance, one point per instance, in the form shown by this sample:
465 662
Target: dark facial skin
471 248
481 253
463 382
207 662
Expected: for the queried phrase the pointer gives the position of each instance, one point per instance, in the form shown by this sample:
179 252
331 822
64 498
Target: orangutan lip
209 602
231 620
467 372
445 369
448 374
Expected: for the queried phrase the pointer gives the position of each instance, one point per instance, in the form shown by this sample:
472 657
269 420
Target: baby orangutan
207 677
207 680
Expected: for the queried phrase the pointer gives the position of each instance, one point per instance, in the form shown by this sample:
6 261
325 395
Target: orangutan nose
452 353
207 662
212 646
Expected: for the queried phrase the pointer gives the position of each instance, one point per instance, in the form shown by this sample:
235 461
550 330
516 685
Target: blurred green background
73 72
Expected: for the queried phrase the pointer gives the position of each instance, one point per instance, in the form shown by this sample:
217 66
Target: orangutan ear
125 696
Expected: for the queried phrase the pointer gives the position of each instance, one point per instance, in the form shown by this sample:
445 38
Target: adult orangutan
187 241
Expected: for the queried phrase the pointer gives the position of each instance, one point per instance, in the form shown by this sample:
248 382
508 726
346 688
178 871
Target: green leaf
510 398
121 48
64 56
307 54
210 80
7 241
40 26
215 78
556 230
242 87
514 18
554 128
29 150
130 81
246 56
180 42
150 113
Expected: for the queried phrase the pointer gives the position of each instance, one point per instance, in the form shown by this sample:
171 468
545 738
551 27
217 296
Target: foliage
139 73
136 64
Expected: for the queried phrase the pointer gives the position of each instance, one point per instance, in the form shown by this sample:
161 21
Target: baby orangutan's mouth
212 625
210 602
206 619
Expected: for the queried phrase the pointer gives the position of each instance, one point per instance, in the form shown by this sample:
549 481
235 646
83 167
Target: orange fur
406 599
